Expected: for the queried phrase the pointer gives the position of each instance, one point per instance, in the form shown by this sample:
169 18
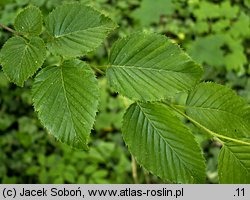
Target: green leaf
6 121
207 10
208 50
220 26
76 29
219 109
66 99
227 10
29 21
147 14
4 83
234 163
147 66
162 144
241 27
201 27
236 60
21 58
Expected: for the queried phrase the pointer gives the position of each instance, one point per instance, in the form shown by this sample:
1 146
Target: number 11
240 192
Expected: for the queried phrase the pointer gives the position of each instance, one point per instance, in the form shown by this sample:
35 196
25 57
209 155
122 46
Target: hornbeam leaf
76 29
234 163
219 109
21 58
29 21
147 66
66 99
162 144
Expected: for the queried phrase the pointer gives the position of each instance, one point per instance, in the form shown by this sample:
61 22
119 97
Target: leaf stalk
206 129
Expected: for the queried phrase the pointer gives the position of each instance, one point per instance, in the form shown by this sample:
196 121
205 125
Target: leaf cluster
215 33
29 155
145 67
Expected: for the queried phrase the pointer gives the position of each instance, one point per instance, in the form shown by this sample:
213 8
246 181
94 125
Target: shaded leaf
162 144
219 109
228 11
21 58
76 29
147 14
207 10
234 164
208 50
29 21
241 27
66 99
147 66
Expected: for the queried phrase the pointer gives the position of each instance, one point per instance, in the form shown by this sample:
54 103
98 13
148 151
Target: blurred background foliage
215 33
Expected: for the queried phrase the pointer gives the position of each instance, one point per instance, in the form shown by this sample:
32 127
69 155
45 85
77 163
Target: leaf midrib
150 69
215 109
66 98
72 121
21 63
77 31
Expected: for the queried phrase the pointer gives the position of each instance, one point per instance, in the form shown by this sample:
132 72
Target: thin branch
146 176
180 106
98 70
9 29
134 170
218 136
